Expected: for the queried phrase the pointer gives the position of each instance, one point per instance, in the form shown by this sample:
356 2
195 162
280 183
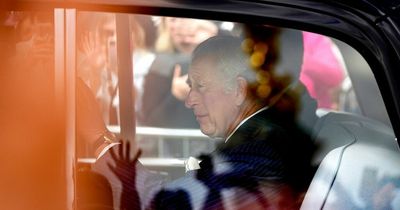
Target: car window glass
308 76
161 50
227 115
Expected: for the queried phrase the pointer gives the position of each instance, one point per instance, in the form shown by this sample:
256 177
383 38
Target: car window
313 75
161 51
150 111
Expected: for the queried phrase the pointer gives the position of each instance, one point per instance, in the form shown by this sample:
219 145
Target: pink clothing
321 72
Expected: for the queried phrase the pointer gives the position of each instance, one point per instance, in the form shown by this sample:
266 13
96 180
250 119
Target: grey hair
230 59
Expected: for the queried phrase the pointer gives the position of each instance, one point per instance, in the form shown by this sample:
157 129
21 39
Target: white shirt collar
243 121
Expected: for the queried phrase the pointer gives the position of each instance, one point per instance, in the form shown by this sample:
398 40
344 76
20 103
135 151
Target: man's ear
241 90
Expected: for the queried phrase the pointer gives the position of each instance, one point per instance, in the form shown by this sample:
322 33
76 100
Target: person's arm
159 102
92 132
154 99
131 183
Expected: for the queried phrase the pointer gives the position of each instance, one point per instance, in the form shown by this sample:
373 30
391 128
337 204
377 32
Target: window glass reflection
225 112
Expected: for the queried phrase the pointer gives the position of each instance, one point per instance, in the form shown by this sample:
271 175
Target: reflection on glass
243 102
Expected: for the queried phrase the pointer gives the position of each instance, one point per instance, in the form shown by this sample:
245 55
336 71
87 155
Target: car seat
358 160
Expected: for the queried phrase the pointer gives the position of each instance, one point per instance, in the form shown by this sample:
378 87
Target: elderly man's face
213 106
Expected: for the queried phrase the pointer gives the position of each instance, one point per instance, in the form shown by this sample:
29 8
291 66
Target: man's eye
201 86
197 86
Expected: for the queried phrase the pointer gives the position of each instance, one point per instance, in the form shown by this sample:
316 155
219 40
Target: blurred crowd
161 48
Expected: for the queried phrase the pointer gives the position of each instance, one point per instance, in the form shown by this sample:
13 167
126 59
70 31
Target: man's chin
208 132
205 131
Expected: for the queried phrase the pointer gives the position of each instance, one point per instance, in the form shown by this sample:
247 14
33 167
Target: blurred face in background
36 37
186 34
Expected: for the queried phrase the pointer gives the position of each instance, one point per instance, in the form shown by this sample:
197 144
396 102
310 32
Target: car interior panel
352 170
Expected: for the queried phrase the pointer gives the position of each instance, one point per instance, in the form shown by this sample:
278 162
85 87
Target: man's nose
190 100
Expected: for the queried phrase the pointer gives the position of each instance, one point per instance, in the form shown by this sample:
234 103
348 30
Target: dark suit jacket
273 146
267 157
265 161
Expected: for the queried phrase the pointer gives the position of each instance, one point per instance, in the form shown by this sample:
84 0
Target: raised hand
125 170
90 45
179 87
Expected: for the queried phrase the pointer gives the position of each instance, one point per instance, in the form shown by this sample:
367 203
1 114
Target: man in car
264 160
